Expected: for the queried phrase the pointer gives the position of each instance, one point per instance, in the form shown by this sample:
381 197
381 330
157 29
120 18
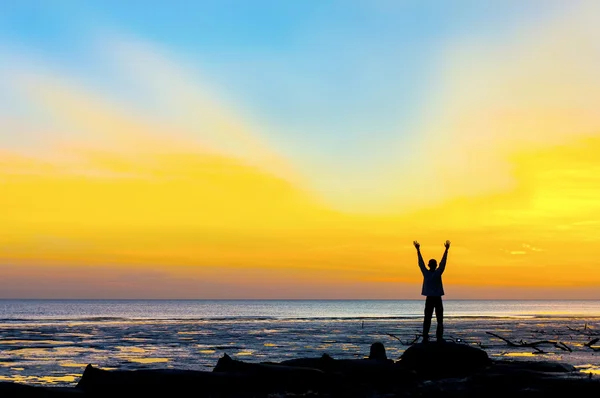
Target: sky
296 149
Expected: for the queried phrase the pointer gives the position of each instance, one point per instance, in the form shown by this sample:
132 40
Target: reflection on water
131 349
134 339
39 354
73 365
350 347
527 354
29 379
244 353
196 332
147 360
517 354
50 342
587 368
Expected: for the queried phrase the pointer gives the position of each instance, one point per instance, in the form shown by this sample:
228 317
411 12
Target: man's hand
417 244
447 245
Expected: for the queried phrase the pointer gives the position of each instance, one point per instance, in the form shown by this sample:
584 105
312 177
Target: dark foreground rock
100 382
441 360
276 377
10 390
512 379
327 374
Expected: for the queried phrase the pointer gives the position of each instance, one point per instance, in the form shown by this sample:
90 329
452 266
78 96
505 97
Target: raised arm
442 266
421 261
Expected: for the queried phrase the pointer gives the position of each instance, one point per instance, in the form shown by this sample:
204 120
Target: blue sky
320 74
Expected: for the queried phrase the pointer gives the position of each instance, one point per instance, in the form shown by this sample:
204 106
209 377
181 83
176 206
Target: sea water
51 341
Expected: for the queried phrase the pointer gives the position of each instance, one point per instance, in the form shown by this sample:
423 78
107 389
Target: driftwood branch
394 336
417 337
566 347
586 331
538 350
535 344
510 343
590 343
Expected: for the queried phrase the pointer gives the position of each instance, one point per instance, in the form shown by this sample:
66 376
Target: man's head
432 264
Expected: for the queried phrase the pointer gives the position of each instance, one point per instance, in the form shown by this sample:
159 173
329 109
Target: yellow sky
213 220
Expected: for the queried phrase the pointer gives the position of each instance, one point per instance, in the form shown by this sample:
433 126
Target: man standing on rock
433 290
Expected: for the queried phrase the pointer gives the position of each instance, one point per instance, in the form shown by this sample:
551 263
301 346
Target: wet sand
56 353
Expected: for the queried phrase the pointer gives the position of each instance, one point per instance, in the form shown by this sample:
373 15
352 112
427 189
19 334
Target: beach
50 343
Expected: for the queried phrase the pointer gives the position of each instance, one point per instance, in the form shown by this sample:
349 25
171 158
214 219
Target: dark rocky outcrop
439 360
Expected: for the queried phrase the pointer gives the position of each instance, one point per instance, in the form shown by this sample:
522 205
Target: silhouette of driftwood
585 331
535 344
590 343
417 337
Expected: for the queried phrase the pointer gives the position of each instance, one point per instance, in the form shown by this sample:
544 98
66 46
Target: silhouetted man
434 290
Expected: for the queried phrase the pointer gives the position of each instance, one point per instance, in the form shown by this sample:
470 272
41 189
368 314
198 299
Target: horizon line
292 299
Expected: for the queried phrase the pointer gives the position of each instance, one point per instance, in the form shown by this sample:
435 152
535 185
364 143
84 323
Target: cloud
193 106
73 114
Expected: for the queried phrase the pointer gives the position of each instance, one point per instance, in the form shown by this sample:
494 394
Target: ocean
50 342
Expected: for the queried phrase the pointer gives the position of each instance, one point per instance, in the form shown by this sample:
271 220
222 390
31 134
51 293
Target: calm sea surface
39 310
51 341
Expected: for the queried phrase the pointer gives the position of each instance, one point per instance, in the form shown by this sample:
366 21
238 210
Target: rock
374 372
227 364
555 367
538 366
324 362
9 390
360 378
439 360
382 372
531 379
164 381
377 352
277 377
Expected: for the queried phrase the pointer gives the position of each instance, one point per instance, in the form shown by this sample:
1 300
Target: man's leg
429 305
439 316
